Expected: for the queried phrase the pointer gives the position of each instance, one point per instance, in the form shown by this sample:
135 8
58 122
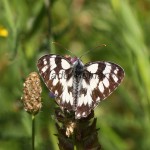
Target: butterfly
78 87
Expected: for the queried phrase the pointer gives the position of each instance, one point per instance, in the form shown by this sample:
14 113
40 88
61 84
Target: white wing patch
115 78
116 70
107 69
70 82
55 81
93 82
101 87
45 61
93 68
66 96
65 65
44 68
52 63
106 82
85 98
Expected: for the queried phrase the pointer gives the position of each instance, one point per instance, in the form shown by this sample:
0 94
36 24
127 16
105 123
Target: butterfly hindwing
100 79
56 72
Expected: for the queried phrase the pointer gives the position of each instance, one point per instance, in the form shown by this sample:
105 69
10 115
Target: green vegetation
27 29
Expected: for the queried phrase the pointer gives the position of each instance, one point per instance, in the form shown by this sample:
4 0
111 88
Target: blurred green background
27 28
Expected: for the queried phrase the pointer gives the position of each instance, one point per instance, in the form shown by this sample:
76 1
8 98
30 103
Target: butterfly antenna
92 49
58 44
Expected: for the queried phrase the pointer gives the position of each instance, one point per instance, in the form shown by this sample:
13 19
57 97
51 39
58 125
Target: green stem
48 5
75 148
33 132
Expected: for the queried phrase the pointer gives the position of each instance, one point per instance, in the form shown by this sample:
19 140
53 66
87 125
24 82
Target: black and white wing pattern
56 71
100 79
79 87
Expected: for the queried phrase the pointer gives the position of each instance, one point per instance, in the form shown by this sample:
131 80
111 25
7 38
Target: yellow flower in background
3 32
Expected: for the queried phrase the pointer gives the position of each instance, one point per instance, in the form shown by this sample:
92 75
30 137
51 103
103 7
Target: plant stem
75 148
48 7
33 132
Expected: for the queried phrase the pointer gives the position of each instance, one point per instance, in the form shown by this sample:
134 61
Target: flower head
32 94
3 32
70 128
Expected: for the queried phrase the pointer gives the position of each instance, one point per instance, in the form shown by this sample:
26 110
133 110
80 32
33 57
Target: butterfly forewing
100 79
56 72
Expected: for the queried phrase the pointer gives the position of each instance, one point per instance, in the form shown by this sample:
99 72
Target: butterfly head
71 59
78 67
76 63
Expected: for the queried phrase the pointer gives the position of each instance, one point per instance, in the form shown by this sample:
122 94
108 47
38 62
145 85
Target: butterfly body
79 87
78 69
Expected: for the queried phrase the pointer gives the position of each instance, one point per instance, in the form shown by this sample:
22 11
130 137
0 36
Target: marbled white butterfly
79 87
